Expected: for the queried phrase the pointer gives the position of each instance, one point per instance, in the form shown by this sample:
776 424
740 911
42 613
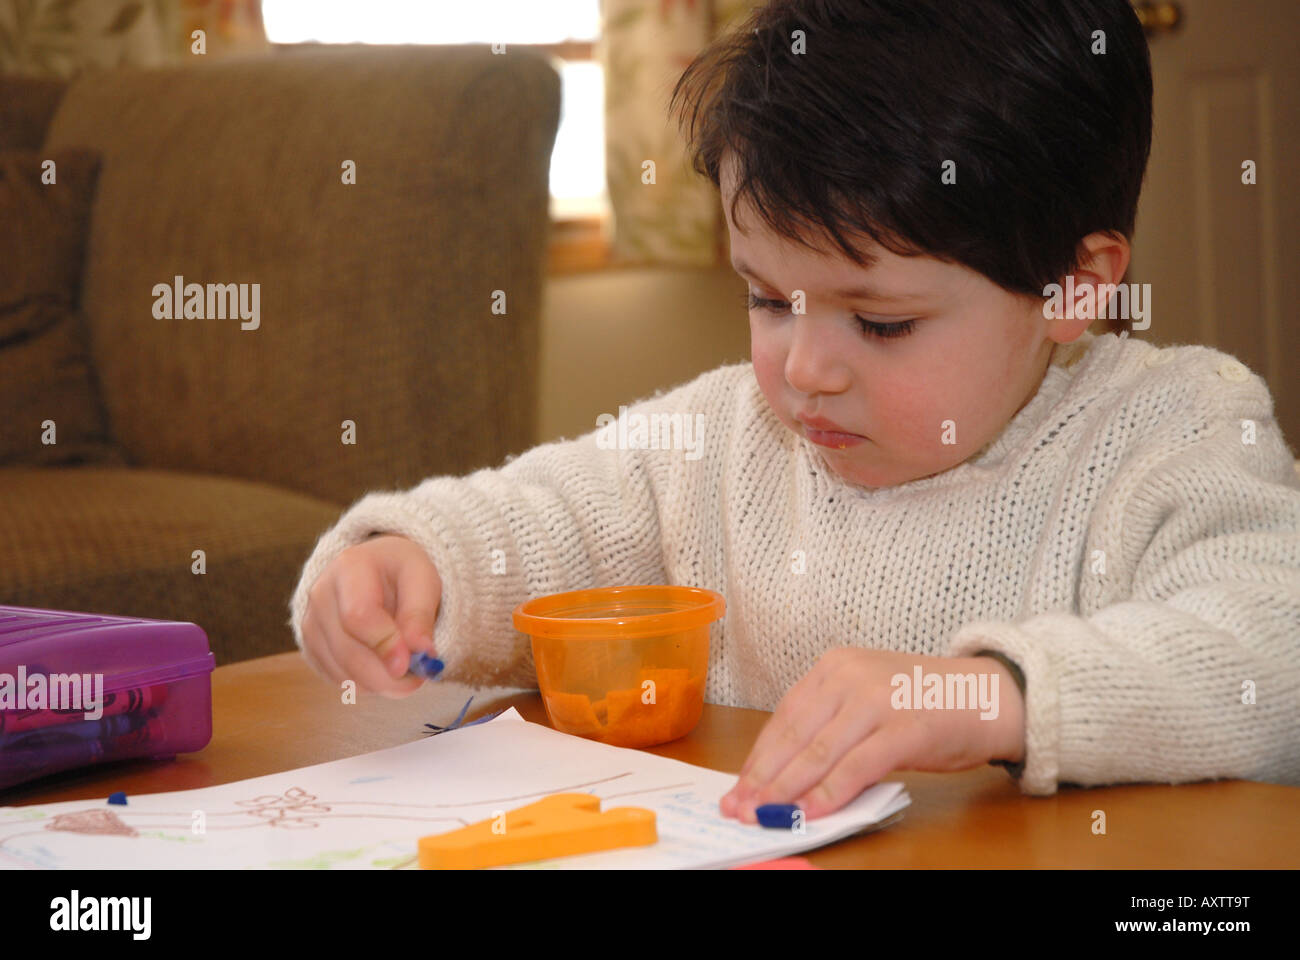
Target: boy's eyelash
885 331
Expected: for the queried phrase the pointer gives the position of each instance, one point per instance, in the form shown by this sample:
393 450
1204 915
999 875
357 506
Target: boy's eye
885 331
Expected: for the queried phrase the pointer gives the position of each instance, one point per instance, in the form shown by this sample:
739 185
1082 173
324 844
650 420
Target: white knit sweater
1129 459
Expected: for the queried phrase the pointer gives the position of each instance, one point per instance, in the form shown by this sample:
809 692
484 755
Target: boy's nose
812 364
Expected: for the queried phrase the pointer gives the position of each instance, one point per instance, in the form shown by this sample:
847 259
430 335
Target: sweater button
1233 371
1158 357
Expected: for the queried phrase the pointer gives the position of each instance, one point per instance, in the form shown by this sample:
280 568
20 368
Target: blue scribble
458 722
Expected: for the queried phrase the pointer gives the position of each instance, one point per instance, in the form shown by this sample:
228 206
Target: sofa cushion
45 374
122 541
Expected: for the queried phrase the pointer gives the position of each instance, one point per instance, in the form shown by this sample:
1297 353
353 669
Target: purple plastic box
83 688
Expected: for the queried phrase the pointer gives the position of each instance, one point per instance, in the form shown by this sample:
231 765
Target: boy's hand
836 732
372 607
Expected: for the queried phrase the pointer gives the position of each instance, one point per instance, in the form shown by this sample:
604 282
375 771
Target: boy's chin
866 476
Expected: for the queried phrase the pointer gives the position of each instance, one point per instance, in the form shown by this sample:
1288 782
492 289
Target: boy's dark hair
1050 140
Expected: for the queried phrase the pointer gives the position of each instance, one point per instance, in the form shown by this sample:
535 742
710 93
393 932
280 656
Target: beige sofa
375 311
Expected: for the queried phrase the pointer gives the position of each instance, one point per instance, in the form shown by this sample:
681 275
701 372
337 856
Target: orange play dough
622 719
572 713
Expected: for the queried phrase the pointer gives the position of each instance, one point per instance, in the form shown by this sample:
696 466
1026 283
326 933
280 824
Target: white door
1222 256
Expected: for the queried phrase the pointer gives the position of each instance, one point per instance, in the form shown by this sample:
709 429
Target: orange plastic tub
622 665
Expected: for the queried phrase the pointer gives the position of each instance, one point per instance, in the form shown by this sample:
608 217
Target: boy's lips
838 441
822 425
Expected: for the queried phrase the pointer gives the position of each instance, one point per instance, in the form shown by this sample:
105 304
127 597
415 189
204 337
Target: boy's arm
1186 662
562 516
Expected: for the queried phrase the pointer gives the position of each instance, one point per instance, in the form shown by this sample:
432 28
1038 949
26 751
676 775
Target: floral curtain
645 45
61 38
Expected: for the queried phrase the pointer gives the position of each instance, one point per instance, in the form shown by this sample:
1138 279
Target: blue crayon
118 798
426 666
776 815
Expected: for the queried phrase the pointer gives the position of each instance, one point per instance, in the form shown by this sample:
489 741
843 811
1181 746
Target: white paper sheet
368 812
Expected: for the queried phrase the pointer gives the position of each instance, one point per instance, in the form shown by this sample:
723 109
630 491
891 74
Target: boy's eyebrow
861 292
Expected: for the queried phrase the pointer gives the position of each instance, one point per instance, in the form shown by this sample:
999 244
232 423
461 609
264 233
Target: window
566 30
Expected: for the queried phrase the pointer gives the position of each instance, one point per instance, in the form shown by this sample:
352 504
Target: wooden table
275 714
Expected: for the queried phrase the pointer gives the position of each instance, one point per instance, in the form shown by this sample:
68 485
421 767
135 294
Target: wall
611 337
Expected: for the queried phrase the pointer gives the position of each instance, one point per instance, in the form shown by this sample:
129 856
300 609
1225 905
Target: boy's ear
1103 260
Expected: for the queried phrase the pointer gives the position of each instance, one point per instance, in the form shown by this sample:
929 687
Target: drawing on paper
293 809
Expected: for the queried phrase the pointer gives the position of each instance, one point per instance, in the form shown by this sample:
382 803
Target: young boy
926 470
